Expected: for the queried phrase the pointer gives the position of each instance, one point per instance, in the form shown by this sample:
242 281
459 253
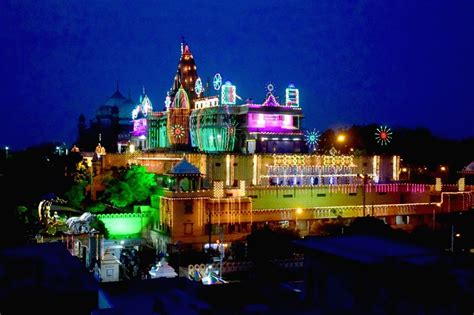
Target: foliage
76 195
98 207
133 185
141 181
98 225
119 193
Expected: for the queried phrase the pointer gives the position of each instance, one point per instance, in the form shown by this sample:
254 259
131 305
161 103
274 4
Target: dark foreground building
370 275
45 279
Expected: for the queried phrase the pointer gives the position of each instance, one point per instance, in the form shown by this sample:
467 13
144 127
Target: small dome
184 168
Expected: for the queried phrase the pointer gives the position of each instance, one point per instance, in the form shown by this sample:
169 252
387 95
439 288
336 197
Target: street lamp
6 152
341 138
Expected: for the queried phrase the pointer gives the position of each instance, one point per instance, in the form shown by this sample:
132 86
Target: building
111 127
46 278
370 275
246 164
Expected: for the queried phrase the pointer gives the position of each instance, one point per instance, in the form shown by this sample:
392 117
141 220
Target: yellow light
299 211
404 170
443 168
341 138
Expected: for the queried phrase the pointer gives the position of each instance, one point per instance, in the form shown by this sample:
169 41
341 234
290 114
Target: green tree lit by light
135 185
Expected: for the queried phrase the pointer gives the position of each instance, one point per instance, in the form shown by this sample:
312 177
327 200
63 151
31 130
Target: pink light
270 122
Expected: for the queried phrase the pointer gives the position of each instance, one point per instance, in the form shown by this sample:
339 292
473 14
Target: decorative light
311 138
217 81
383 135
178 131
270 87
292 96
396 167
167 101
376 168
198 86
438 185
228 94
227 170
462 184
218 191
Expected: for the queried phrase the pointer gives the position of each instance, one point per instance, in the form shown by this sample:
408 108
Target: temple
228 166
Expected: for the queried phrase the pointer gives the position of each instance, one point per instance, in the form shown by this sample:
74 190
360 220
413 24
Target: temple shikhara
228 165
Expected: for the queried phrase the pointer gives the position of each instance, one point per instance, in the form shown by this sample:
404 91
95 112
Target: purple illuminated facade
139 128
271 127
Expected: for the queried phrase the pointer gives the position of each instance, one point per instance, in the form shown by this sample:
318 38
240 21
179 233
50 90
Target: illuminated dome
181 99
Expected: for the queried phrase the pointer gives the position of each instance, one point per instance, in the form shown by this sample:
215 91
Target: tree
133 185
120 194
140 181
76 195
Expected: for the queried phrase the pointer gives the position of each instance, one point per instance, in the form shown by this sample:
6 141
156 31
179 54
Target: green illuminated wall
122 225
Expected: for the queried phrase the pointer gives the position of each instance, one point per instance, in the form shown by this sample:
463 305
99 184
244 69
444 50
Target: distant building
111 127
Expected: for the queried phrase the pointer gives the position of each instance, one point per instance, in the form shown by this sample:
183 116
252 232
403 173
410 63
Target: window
364 164
321 195
352 194
235 164
402 219
110 272
287 196
188 207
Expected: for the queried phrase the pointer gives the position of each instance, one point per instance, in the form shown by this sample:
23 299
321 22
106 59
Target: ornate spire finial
144 90
182 44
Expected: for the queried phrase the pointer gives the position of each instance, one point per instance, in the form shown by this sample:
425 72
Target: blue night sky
401 63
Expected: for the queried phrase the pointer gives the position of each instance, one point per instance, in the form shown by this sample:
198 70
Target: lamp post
6 152
364 186
298 211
